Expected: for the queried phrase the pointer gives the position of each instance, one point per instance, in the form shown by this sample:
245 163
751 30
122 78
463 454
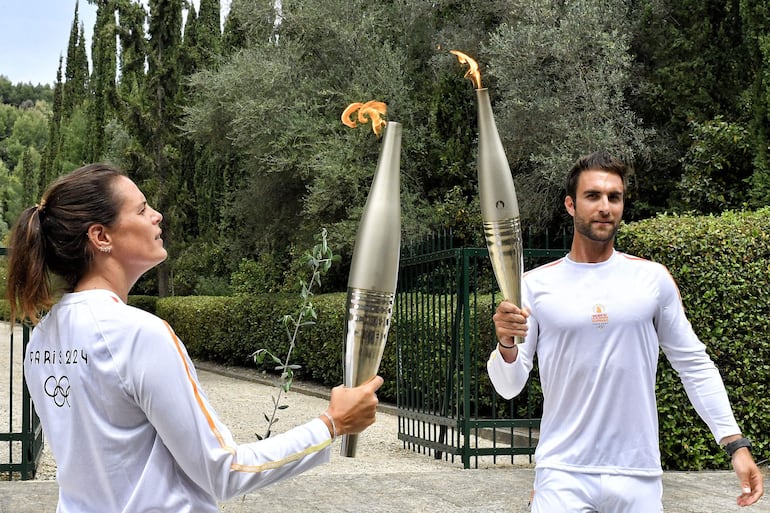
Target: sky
34 33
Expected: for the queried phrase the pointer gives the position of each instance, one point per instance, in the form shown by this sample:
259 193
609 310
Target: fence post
466 363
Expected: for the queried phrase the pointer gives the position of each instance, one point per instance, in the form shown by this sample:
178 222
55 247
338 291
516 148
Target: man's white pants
557 491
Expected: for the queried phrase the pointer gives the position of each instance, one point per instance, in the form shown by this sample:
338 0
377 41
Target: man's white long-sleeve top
597 330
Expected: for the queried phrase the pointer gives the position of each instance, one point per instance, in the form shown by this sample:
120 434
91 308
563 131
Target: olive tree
561 71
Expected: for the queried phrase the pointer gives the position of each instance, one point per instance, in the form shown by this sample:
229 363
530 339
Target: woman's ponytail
29 285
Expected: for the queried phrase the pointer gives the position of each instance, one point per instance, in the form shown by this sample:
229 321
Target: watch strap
737 444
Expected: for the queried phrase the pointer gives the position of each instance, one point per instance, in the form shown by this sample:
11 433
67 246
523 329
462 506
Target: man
596 320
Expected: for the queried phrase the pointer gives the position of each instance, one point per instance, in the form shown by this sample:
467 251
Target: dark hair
51 237
600 160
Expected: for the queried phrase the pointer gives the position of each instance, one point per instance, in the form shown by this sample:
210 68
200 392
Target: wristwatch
737 444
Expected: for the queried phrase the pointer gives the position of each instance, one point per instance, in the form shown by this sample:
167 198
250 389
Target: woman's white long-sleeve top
128 424
597 330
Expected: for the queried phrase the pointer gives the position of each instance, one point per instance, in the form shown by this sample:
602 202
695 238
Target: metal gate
444 334
21 440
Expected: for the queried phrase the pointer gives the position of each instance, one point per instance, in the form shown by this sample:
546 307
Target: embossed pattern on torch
499 206
373 273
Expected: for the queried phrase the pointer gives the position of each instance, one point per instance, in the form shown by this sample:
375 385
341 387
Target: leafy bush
201 269
257 276
228 329
320 346
722 267
5 310
3 275
716 167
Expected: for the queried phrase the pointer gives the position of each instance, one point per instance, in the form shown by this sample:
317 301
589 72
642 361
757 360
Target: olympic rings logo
58 390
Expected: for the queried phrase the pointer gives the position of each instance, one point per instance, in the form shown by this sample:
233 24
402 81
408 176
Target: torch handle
506 252
369 315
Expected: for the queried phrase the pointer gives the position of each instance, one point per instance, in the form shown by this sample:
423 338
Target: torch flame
369 111
349 110
473 68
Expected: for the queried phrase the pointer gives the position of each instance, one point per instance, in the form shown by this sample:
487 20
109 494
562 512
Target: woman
117 394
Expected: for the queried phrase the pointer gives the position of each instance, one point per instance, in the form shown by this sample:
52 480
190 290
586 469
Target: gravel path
241 404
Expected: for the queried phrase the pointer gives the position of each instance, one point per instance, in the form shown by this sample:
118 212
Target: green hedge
722 267
147 303
229 329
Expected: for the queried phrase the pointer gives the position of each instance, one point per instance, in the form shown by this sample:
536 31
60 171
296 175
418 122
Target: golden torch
374 267
497 194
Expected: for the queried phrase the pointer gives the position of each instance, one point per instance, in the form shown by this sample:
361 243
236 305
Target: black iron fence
446 405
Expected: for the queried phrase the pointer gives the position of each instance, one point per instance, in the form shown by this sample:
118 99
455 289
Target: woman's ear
99 238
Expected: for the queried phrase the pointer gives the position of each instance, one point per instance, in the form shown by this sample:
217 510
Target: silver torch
497 194
374 266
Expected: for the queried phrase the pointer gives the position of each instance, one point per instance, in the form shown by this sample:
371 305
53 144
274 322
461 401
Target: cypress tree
133 51
76 70
189 152
755 15
81 73
200 176
26 173
133 58
164 77
69 73
209 32
50 163
234 33
163 84
103 88
190 54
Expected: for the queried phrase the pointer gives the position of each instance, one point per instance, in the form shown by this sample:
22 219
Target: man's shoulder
637 260
643 265
545 268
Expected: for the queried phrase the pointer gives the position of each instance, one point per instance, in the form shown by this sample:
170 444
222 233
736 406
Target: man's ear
99 238
569 204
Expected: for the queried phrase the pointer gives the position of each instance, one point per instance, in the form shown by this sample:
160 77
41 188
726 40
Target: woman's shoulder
113 315
143 319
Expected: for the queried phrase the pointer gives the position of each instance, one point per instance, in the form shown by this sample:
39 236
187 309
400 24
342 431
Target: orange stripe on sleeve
238 467
196 392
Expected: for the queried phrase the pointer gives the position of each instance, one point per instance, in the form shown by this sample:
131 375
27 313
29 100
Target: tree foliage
103 101
277 104
16 94
235 134
692 64
76 72
561 73
718 159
